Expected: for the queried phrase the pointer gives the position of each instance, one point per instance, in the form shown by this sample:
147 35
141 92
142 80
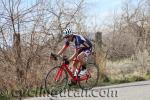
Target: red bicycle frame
65 67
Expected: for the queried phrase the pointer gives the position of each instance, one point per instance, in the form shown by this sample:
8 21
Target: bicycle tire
52 86
92 81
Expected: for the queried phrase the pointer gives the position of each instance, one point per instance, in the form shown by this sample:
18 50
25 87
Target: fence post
100 55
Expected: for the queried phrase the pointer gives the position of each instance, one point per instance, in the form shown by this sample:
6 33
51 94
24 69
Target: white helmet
67 32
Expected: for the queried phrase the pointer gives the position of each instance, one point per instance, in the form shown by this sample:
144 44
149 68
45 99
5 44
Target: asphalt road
128 91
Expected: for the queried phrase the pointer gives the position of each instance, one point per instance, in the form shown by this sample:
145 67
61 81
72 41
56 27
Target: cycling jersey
81 43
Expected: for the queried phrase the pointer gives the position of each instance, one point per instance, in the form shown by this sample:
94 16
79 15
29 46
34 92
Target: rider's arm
63 48
85 44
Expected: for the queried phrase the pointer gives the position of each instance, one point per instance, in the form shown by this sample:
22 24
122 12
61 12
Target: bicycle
57 78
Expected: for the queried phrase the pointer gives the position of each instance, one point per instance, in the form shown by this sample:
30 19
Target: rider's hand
53 56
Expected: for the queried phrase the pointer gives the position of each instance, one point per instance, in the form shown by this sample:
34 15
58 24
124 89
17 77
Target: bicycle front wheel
56 80
93 76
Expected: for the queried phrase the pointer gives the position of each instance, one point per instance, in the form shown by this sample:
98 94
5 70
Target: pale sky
101 10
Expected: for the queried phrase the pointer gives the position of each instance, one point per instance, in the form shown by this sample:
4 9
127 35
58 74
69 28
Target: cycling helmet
67 32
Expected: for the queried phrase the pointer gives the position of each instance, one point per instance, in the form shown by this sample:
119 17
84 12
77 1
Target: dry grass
129 66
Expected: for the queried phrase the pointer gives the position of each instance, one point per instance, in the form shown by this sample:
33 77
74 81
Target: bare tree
129 30
28 33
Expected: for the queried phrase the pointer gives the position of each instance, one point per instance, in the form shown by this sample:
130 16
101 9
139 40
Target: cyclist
83 48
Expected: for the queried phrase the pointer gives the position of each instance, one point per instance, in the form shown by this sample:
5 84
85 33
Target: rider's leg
82 58
74 65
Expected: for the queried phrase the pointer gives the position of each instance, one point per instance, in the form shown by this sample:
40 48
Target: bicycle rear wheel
93 76
56 80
